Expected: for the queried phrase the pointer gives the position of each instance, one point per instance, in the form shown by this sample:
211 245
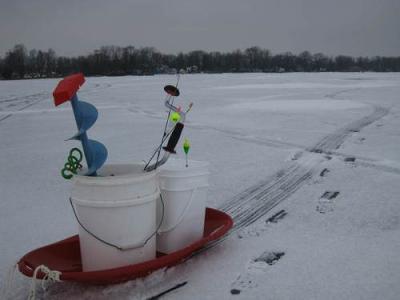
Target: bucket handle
121 248
181 217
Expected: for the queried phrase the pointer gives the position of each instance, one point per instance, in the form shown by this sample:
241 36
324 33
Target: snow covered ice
268 138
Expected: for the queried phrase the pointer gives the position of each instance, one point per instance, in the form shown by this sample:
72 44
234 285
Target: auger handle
67 88
174 139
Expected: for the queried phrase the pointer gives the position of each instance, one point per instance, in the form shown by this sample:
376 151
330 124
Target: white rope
49 276
8 281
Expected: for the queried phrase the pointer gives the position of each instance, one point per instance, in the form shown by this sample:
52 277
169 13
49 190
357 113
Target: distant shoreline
19 63
202 73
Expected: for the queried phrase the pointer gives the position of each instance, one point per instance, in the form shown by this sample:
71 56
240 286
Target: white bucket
184 195
116 212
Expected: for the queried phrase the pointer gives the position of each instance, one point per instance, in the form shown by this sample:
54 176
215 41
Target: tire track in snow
367 162
383 168
334 140
23 98
33 99
30 100
249 207
235 134
256 201
334 95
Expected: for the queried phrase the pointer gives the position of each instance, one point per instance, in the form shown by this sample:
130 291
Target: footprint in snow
324 172
359 141
350 159
326 202
277 217
256 230
254 271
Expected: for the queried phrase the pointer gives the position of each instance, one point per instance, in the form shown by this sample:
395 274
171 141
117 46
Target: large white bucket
184 195
116 212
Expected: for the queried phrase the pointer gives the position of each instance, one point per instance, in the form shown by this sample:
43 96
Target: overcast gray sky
73 27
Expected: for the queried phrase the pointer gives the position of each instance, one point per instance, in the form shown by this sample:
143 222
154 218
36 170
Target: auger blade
87 116
98 156
76 136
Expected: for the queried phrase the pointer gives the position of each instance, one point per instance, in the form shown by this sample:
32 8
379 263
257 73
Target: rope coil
50 275
73 164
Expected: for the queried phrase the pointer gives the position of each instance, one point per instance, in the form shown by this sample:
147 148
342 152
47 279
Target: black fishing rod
175 133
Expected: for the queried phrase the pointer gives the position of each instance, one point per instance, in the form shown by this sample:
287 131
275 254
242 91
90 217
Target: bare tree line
19 63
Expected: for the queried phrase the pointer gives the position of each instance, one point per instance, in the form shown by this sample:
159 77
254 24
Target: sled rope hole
8 283
50 275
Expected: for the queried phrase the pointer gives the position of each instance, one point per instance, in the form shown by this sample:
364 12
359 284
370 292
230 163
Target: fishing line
166 123
170 95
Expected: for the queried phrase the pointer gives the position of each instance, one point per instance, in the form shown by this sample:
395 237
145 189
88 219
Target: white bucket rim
174 169
114 180
167 175
185 189
198 165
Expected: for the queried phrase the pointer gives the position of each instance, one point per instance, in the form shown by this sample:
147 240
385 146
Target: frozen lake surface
323 147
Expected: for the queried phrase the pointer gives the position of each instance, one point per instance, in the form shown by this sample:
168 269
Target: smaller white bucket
116 212
184 195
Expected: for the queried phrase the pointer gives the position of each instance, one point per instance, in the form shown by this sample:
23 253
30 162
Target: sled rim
64 256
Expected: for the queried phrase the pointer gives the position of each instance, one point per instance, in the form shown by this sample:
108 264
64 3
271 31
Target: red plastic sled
64 256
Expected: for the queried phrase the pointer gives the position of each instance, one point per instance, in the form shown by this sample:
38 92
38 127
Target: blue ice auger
85 116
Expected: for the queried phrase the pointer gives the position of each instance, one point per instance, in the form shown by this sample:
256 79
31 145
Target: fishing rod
170 148
173 92
167 135
175 115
